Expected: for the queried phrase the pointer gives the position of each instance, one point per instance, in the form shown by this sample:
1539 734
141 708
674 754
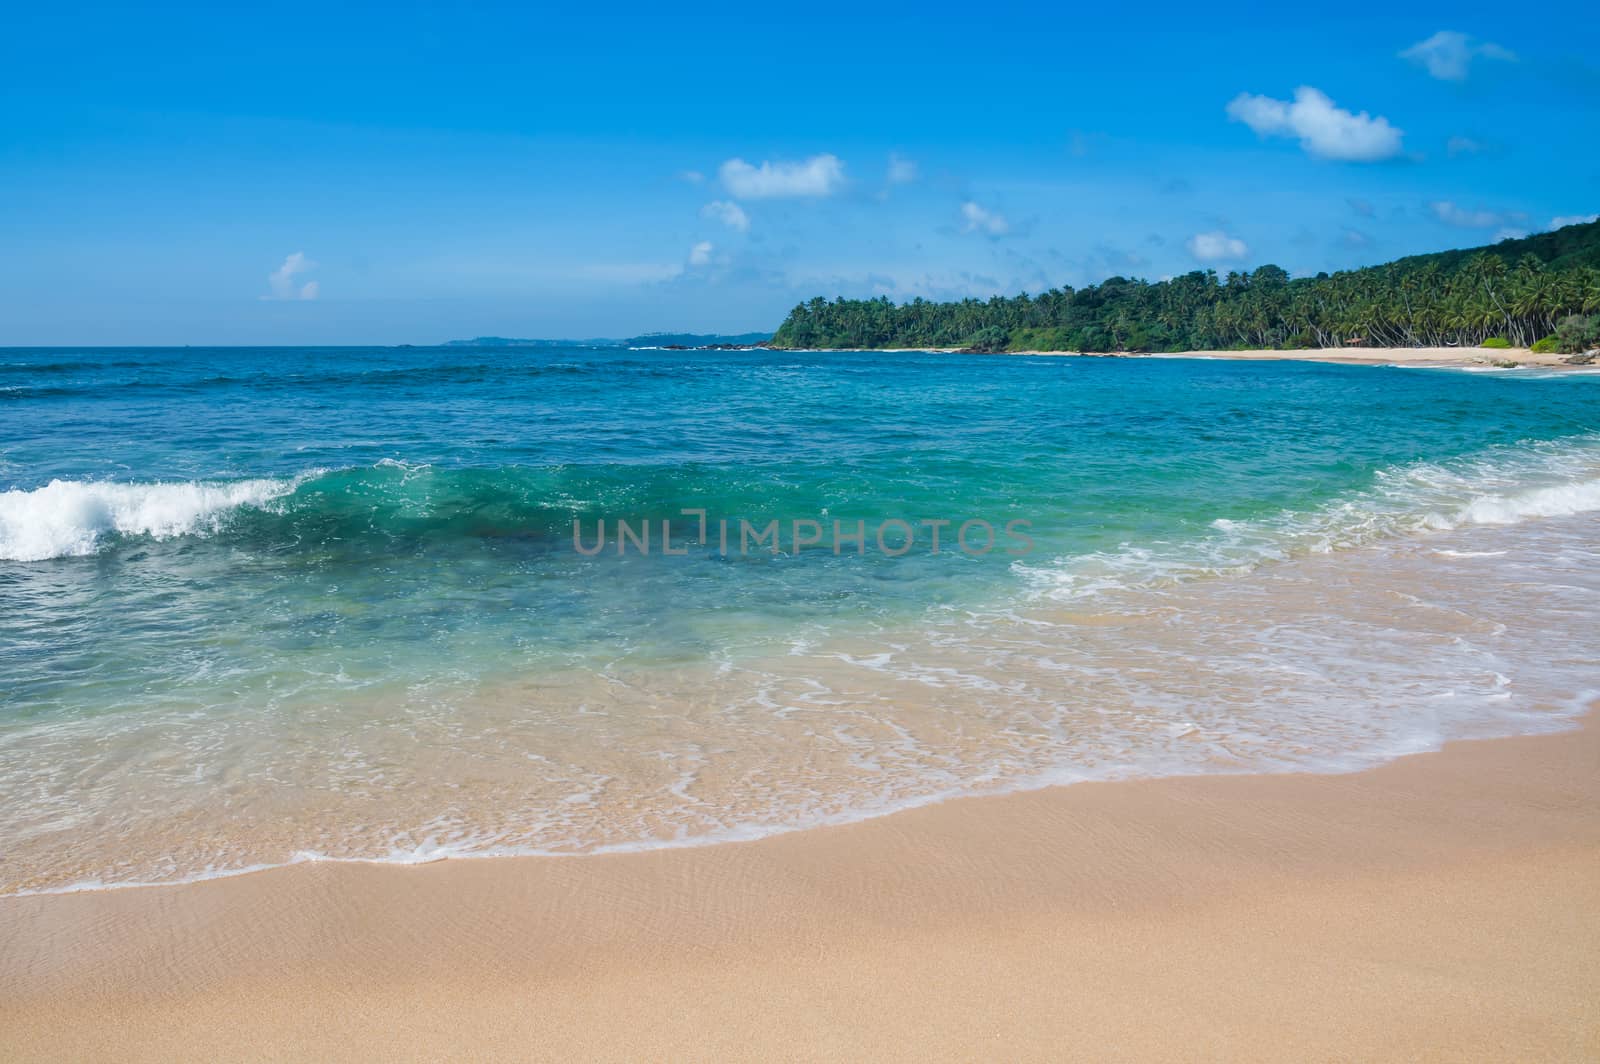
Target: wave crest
394 501
69 518
1501 486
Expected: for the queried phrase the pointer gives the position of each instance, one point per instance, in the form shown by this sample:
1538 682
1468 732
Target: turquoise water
222 535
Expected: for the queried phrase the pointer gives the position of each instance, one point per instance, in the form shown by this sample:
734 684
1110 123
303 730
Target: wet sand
1443 906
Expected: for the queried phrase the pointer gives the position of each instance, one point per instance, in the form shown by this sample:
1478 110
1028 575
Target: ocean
260 606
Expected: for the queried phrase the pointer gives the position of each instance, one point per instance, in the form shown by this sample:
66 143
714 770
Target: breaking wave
72 518
395 501
1499 486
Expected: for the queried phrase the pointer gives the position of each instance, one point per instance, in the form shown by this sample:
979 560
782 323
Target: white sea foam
71 518
1500 486
1333 662
1555 501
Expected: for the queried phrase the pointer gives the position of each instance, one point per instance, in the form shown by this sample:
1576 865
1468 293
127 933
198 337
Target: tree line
1513 293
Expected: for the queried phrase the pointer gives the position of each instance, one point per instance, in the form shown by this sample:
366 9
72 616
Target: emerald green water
269 539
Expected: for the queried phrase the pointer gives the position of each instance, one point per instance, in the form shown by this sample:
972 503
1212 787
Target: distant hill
697 339
1511 293
505 341
647 340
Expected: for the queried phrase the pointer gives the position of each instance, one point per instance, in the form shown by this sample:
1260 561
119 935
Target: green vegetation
1577 334
1496 342
1515 291
1545 346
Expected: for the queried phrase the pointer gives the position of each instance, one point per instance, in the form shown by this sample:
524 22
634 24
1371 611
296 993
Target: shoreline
1134 697
757 836
1560 725
1440 904
1439 357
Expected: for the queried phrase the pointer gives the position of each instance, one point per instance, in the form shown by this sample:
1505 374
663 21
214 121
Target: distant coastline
1524 301
1540 292
647 340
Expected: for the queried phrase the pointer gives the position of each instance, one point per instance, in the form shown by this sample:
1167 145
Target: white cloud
820 175
280 282
700 254
902 171
1448 55
1325 131
1217 246
728 213
1572 219
981 220
1450 214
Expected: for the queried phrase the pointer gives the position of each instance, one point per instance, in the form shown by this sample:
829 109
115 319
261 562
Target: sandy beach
1357 356
1400 356
1443 906
511 551
1164 849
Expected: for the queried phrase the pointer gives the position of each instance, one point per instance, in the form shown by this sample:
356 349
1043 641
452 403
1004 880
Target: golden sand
1353 355
1444 906
1401 356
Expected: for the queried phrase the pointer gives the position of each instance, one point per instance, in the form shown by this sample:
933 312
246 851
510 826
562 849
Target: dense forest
1514 293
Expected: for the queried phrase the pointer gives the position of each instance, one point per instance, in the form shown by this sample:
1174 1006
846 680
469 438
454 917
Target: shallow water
260 606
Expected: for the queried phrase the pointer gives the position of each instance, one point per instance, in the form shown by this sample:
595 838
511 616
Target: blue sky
419 172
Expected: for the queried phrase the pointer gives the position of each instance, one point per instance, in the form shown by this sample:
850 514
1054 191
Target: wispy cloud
1561 220
1479 218
902 171
820 175
728 213
1456 147
1217 246
979 219
1448 55
700 254
281 282
1323 129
